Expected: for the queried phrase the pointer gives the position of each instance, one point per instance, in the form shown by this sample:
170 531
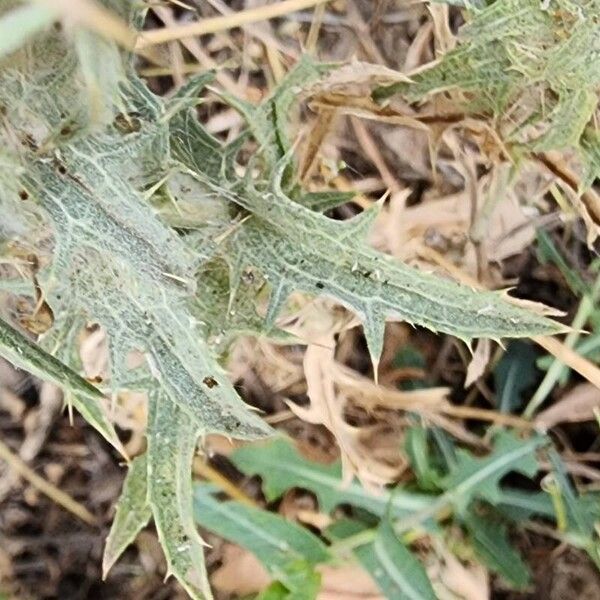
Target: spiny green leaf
281 467
491 544
324 201
171 446
132 514
179 359
25 354
567 121
268 122
298 249
287 550
224 313
118 263
553 78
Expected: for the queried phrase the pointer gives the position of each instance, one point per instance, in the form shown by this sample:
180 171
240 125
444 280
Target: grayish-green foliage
533 67
87 399
145 224
132 514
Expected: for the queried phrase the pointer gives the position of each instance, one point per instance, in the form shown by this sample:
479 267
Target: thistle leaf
298 249
87 399
171 447
132 514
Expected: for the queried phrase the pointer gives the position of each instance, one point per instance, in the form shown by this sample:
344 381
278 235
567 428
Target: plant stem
50 490
586 307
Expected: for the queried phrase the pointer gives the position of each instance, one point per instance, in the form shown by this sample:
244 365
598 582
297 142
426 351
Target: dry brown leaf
570 357
576 406
357 76
479 362
443 224
319 130
326 408
359 454
365 392
241 573
348 582
444 37
93 352
586 203
454 580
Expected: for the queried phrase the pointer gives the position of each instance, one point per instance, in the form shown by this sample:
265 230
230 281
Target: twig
203 469
315 28
244 17
50 490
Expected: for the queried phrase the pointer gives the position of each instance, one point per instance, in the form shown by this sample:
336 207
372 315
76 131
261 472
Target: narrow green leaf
397 572
491 544
400 575
281 467
275 541
132 514
547 251
25 354
519 505
171 446
580 518
514 374
417 448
